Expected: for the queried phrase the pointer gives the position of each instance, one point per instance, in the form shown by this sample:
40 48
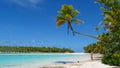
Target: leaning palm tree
68 14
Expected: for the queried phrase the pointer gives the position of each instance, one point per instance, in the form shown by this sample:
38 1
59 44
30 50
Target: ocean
30 60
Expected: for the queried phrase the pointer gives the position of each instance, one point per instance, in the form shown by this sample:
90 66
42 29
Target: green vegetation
109 42
33 49
95 48
67 15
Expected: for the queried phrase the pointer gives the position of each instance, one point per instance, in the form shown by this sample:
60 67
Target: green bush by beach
110 40
113 60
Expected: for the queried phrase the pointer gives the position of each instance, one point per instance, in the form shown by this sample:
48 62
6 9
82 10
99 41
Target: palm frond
74 13
68 17
70 7
77 21
59 18
60 22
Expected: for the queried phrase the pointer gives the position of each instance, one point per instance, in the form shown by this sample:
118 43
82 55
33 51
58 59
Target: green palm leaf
77 21
74 13
60 22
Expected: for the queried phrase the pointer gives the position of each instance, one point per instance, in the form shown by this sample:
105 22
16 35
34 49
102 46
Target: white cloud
26 3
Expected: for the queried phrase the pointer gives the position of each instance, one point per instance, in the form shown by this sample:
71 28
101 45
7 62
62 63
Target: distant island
23 49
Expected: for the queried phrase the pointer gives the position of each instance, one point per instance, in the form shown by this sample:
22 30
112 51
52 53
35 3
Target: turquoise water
27 59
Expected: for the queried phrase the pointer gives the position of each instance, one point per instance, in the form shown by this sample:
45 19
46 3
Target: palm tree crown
67 15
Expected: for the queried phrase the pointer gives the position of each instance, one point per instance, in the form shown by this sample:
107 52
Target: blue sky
32 22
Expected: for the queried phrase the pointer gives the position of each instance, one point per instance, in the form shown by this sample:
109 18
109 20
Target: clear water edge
27 60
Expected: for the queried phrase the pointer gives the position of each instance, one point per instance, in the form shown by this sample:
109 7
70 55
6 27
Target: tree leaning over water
68 14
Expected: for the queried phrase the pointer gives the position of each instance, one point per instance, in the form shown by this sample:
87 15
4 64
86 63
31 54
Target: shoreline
74 63
51 59
85 63
32 53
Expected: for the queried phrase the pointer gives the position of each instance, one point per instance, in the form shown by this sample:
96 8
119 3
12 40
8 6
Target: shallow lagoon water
25 60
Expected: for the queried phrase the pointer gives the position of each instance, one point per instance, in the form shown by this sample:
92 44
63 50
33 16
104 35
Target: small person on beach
92 56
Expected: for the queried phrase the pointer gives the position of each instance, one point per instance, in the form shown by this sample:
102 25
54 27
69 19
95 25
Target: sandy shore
89 64
96 63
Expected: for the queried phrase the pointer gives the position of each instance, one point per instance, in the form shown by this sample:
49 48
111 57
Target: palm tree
68 14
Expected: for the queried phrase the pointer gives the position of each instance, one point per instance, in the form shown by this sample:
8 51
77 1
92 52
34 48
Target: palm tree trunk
87 35
70 27
91 36
102 40
74 32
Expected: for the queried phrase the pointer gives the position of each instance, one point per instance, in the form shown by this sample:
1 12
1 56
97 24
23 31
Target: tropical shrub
95 48
112 60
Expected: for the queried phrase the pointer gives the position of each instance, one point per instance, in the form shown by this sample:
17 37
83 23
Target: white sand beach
89 64
96 63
